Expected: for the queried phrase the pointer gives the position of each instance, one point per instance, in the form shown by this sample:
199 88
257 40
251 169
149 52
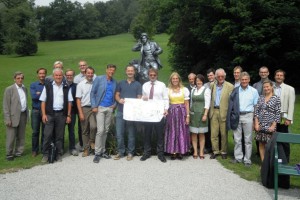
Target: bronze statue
149 56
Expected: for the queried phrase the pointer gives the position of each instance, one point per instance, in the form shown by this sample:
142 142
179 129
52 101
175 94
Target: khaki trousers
218 126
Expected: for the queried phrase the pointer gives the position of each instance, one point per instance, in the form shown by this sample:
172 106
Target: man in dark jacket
240 118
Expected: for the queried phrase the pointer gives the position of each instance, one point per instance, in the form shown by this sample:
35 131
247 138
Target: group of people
198 115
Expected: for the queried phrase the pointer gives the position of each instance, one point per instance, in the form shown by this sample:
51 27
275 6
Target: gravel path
79 178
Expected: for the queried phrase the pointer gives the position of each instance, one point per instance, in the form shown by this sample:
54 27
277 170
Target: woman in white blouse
200 102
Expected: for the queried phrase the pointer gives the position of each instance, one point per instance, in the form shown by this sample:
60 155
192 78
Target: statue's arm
158 49
137 47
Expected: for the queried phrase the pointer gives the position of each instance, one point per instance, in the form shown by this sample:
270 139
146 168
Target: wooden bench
280 168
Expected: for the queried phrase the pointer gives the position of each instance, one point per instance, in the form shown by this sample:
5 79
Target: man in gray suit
15 116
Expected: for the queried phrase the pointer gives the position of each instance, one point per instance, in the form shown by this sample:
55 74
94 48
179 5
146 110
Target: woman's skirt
177 137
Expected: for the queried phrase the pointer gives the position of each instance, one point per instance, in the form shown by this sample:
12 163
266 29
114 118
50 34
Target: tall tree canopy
215 33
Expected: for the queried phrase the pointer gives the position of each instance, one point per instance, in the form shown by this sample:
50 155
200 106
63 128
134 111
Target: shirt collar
19 87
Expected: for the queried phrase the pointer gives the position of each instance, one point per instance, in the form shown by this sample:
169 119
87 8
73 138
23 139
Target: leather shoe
224 156
96 159
162 159
213 156
9 158
144 157
106 156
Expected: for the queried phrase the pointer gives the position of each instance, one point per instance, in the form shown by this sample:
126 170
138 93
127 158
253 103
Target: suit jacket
224 100
98 90
287 98
12 105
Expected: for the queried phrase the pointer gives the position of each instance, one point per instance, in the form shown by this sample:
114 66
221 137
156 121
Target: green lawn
98 53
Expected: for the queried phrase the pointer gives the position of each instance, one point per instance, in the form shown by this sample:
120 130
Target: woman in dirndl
177 138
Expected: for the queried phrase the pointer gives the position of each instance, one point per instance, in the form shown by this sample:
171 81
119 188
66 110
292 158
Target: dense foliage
18 28
203 33
215 33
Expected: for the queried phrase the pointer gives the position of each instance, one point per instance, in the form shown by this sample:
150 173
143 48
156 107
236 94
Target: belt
35 109
244 113
57 111
86 106
216 107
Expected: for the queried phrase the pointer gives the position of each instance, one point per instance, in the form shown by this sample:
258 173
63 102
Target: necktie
151 91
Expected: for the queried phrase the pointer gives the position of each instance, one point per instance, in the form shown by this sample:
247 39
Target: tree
18 27
206 33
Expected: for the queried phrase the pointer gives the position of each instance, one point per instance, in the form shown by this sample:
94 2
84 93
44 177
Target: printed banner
143 111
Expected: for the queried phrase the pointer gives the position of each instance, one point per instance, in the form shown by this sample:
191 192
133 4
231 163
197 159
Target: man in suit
287 98
264 74
15 116
221 91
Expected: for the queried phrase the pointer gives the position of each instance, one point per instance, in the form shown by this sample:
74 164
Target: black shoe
162 158
173 156
144 157
213 156
234 161
179 156
96 159
224 156
106 156
9 158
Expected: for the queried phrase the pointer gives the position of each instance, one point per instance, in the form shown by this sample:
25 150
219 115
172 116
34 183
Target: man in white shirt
86 116
155 90
56 108
15 116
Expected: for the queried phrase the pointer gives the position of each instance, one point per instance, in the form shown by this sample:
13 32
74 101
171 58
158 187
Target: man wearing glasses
155 90
221 91
15 116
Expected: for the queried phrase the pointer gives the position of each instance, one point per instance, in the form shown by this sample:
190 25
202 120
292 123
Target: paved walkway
79 178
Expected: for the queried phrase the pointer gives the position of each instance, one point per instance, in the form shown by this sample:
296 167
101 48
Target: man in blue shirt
103 104
36 89
240 118
129 88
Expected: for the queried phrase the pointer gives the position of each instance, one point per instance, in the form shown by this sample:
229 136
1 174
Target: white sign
143 111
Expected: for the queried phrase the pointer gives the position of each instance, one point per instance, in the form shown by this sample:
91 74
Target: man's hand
9 124
95 110
44 119
68 120
81 117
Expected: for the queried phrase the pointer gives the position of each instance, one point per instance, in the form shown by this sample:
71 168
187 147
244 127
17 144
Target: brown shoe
86 152
34 154
92 145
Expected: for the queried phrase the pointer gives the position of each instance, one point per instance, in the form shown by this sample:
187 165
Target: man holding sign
126 89
155 90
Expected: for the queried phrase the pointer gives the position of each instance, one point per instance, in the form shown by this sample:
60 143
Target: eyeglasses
82 65
152 75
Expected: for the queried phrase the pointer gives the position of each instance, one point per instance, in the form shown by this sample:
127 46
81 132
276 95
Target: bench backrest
288 138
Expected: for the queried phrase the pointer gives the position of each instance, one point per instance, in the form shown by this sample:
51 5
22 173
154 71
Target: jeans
120 129
71 130
37 125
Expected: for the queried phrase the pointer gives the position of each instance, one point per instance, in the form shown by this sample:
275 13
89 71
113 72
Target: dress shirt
160 92
58 98
83 92
277 90
80 77
237 84
22 96
248 99
218 94
34 88
207 95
